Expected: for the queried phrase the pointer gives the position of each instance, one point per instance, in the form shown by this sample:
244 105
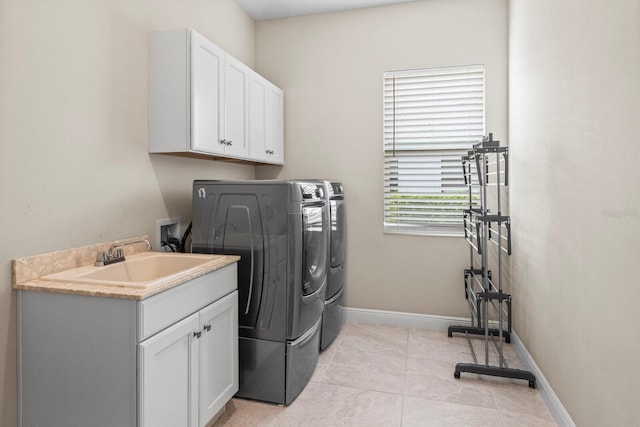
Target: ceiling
272 9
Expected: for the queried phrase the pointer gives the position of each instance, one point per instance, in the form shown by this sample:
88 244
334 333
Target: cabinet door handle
223 141
207 328
229 142
197 334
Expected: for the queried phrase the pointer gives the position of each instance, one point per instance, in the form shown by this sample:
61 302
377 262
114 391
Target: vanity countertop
28 273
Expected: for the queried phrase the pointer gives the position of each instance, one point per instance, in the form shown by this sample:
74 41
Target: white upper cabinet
265 121
199 100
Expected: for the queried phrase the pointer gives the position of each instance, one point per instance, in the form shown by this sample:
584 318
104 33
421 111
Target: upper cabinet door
236 100
258 92
207 95
265 121
274 143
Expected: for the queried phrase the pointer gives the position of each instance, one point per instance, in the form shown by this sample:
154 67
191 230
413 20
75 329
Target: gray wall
73 136
331 67
574 114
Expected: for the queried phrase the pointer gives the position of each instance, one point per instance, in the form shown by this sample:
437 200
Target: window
432 117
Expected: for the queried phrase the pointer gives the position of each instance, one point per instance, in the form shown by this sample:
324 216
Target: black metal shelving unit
486 169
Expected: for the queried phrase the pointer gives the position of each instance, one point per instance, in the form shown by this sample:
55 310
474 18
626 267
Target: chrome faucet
115 252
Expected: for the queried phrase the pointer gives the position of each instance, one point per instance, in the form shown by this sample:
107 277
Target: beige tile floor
393 376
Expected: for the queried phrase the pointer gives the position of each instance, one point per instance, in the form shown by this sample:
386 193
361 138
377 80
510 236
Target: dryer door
315 233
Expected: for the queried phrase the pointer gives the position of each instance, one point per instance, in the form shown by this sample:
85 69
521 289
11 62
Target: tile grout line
404 383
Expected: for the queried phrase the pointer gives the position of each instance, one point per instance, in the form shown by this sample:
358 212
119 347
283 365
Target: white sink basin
141 270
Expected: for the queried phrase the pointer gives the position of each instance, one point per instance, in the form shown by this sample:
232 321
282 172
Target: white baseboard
396 318
556 408
441 323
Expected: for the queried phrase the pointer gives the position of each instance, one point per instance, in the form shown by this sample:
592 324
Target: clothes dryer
332 317
279 229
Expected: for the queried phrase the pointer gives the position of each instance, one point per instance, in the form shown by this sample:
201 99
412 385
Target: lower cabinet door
168 376
218 355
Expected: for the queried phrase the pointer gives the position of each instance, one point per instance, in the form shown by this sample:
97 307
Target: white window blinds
432 117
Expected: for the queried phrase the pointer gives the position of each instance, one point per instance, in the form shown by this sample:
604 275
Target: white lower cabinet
167 360
189 371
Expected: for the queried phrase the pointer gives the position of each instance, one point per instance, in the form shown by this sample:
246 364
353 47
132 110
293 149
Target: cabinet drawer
166 308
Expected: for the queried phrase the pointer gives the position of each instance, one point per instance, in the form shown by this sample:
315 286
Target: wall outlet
166 228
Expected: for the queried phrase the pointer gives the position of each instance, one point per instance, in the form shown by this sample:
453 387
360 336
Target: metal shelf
487 167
